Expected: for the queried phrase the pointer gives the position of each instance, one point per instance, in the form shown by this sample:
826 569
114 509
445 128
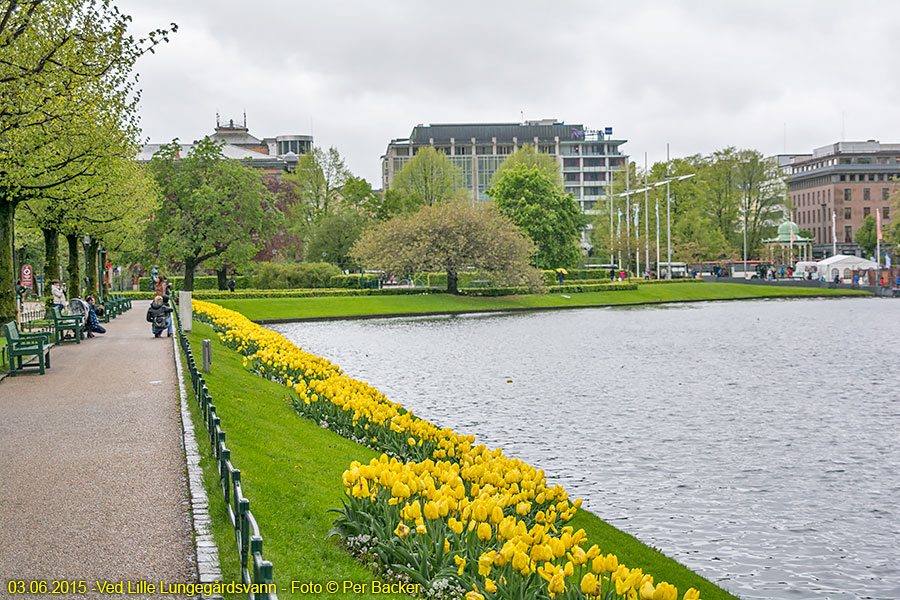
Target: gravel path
92 483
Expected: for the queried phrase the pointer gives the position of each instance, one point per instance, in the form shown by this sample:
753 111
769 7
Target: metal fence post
207 355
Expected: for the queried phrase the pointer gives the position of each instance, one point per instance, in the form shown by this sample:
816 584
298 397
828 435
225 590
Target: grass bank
291 472
301 308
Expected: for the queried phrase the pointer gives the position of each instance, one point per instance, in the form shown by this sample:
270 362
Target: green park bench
61 324
111 310
123 303
20 345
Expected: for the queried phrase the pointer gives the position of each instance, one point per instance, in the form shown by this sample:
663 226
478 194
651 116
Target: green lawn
291 471
298 308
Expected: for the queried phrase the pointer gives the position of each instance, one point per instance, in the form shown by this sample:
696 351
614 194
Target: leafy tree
427 179
867 236
331 239
65 65
697 238
450 237
357 195
538 205
528 156
763 197
318 184
211 207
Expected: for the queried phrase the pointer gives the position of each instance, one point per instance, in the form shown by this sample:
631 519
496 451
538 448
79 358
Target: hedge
312 293
349 282
658 281
145 284
292 276
553 289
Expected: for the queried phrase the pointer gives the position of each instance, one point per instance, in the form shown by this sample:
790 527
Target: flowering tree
449 237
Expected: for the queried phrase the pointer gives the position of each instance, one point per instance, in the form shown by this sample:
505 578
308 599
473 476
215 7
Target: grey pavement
92 471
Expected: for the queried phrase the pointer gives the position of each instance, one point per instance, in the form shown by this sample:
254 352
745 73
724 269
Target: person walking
158 315
230 284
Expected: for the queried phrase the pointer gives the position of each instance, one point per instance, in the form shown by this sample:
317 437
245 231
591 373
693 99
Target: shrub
145 284
286 276
351 282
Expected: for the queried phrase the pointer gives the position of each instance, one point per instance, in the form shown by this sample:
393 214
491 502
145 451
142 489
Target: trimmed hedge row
349 282
659 281
550 277
312 293
204 282
553 289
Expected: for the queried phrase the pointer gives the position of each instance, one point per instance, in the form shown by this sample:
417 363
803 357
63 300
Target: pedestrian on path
158 317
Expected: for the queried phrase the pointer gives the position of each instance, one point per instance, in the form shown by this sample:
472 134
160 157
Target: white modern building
586 157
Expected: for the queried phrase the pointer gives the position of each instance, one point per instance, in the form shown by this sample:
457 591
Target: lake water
755 442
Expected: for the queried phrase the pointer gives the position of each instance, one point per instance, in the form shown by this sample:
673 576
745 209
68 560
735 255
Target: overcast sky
701 75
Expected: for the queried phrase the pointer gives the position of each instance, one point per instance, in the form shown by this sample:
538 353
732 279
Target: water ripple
755 442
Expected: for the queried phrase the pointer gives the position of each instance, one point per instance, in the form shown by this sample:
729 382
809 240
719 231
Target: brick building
840 185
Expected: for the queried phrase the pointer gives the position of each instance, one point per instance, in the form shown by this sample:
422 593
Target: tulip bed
454 517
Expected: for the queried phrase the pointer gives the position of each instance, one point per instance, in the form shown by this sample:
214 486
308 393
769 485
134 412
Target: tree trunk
189 265
51 258
92 268
7 276
452 282
221 277
73 267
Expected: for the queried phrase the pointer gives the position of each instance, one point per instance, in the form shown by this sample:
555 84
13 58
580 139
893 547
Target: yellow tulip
484 532
473 595
460 562
485 562
557 585
446 546
589 585
692 594
665 591
401 530
647 591
490 586
431 511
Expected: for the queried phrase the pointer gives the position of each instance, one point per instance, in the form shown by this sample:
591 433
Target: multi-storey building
272 155
586 157
851 179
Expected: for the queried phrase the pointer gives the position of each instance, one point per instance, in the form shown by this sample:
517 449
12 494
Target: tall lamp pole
646 215
668 221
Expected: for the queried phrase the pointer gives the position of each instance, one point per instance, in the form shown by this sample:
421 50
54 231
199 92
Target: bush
554 289
658 281
203 282
351 282
289 276
550 277
313 293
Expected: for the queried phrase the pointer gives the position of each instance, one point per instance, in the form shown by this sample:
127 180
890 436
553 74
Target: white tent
843 266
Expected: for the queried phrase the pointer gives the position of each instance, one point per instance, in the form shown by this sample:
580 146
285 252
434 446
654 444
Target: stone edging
208 570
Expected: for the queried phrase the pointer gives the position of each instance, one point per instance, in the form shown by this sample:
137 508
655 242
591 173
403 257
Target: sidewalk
92 466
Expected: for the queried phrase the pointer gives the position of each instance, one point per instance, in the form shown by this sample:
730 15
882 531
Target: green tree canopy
212 208
317 187
540 207
427 179
450 237
528 156
867 236
65 66
333 237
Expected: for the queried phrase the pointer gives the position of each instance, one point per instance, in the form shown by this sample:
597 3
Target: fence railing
254 569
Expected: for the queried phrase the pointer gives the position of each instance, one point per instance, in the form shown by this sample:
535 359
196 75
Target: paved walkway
92 482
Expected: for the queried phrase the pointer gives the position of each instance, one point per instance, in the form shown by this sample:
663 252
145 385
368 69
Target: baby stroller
80 308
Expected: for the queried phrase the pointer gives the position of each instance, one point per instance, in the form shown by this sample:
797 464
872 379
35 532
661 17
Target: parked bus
679 270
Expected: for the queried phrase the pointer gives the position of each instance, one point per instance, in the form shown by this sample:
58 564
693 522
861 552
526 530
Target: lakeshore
279 310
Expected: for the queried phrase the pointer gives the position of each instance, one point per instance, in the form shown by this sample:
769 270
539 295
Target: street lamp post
823 227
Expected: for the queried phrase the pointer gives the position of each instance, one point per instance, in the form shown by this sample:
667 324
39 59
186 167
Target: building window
572 163
593 162
573 176
848 194
504 149
867 194
866 211
462 150
848 213
548 149
576 192
886 212
885 193
592 191
485 149
848 234
402 151
444 149
843 178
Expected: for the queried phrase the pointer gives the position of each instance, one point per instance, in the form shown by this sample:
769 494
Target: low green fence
255 571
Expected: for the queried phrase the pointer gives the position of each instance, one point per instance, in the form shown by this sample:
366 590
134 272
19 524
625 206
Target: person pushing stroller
158 316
